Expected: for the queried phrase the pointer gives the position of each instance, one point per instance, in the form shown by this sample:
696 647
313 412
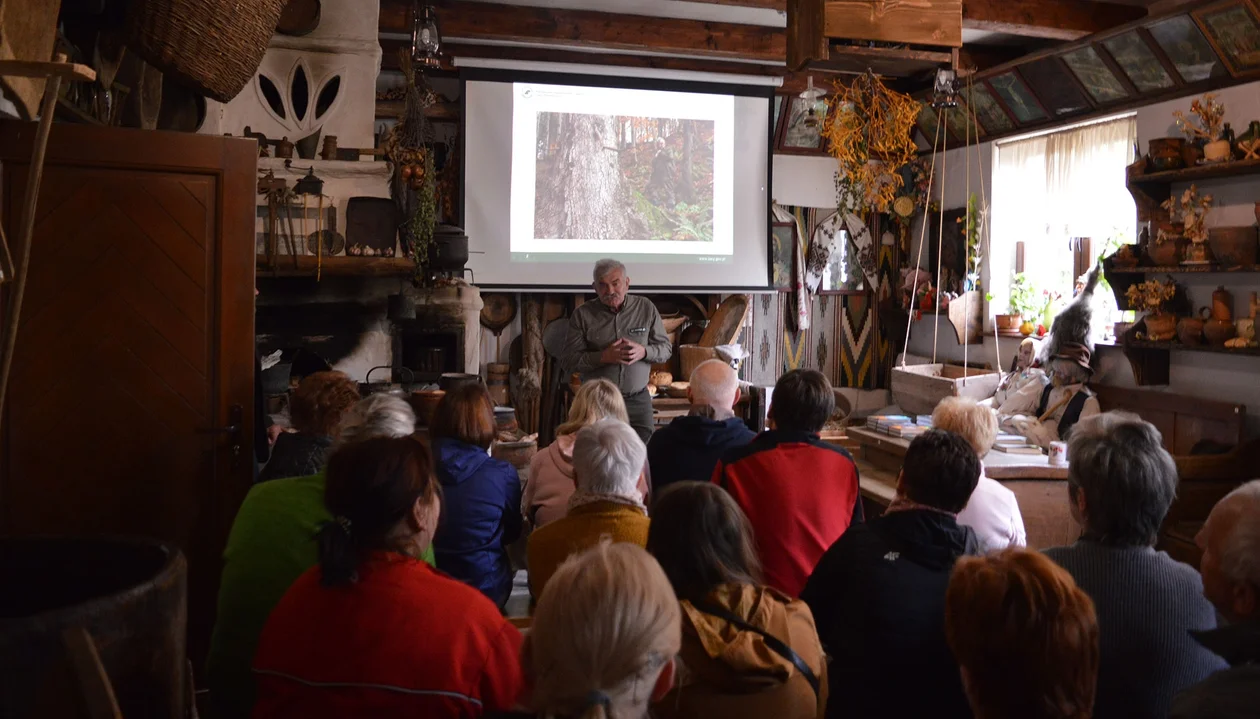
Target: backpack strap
776 645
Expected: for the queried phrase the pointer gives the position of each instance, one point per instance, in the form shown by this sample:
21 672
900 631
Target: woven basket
213 46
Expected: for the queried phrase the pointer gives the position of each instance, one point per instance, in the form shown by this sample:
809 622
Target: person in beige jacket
551 481
728 668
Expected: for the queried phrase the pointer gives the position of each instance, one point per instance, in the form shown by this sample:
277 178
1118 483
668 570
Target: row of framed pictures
1219 40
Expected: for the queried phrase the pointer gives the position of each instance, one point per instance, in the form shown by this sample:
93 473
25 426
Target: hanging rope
940 239
967 228
918 263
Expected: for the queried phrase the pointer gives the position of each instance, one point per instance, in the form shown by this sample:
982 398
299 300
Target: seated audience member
608 457
992 511
604 636
314 412
729 665
799 492
372 630
481 494
878 594
1025 637
688 448
1230 541
551 480
1121 482
271 544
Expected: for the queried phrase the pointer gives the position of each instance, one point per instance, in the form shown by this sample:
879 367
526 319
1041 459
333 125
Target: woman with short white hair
608 457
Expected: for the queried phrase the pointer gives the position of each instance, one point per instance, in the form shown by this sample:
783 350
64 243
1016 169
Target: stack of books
1015 444
885 422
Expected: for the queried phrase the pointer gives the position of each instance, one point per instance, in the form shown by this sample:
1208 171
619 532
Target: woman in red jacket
373 630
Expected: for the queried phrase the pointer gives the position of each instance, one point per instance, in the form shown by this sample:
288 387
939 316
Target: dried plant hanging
413 181
868 131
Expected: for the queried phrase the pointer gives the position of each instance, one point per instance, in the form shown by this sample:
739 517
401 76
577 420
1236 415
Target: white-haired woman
271 544
551 481
604 636
608 460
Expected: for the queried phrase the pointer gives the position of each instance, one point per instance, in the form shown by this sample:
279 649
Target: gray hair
376 416
1239 549
1129 480
606 265
608 458
713 381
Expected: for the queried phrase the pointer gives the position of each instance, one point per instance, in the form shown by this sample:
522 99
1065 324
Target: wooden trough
917 389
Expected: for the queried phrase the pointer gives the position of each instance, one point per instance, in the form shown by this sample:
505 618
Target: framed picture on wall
1190 52
928 124
992 117
778 114
1018 98
1138 61
783 237
802 133
1095 75
1234 30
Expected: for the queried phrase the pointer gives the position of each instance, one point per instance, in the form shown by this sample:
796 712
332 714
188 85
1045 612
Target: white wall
803 181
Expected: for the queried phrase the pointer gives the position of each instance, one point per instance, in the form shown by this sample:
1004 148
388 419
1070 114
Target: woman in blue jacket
481 496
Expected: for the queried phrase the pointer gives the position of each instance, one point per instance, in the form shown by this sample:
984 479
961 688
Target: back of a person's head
608 458
1025 636
1230 540
465 414
702 539
803 401
978 425
1118 462
940 470
595 400
319 402
378 415
371 488
714 383
605 626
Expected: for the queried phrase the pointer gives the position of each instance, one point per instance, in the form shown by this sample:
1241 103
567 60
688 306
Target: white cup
1058 453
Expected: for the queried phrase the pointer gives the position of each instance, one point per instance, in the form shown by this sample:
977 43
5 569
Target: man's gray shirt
594 326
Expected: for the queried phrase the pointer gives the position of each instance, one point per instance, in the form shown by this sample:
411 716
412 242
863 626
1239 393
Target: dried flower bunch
868 131
1151 295
1211 116
1191 209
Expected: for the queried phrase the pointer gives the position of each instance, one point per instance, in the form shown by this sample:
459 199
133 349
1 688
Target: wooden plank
780 5
919 22
1048 19
37 69
337 266
590 29
806 41
886 61
437 112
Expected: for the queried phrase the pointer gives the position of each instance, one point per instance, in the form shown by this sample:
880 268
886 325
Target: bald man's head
714 384
1230 540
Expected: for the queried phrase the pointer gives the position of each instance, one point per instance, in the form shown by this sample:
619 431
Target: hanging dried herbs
868 132
413 182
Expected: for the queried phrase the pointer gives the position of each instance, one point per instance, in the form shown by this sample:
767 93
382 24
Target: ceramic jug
1222 305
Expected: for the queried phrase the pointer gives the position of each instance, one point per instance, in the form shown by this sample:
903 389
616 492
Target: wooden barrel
497 382
131 598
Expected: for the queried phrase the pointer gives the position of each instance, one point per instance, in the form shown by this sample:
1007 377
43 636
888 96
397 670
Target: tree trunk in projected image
686 183
582 196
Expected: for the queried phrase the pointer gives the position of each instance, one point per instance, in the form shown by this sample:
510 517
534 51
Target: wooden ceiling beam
591 29
1049 19
780 5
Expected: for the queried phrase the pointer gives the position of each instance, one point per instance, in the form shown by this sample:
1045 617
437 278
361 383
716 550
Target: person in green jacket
271 544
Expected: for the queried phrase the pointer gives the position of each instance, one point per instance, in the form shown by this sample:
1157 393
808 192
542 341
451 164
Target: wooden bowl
678 390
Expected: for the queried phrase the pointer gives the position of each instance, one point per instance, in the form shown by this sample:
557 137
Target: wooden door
135 343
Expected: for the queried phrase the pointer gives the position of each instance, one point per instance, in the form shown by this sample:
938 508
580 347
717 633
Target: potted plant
1191 211
1210 128
1150 297
1026 302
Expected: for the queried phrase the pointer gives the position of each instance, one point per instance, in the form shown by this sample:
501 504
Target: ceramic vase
1218 151
1161 326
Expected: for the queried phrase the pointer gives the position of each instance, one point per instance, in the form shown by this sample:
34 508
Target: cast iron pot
449 251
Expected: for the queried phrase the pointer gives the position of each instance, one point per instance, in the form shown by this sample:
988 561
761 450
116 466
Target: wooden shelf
1199 173
1181 269
1178 347
1151 361
339 266
438 112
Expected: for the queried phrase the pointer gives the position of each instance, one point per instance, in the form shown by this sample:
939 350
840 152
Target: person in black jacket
878 594
689 447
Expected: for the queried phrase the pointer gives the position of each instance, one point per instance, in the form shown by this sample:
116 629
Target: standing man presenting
618 339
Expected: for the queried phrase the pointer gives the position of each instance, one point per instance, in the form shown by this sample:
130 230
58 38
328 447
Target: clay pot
1007 322
1218 332
1161 327
1166 253
1190 329
1245 328
1166 153
1218 151
1233 246
1196 253
517 454
1191 153
1222 305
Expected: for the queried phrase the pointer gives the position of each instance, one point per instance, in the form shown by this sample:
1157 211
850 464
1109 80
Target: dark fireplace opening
430 353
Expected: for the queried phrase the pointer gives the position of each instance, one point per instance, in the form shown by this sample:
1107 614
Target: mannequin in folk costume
1020 391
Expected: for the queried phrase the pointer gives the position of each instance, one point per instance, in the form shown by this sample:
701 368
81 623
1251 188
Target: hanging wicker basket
214 46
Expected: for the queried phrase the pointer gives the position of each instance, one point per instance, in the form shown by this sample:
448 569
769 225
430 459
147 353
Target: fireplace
445 335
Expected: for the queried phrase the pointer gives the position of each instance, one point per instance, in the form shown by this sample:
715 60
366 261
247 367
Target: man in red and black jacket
800 493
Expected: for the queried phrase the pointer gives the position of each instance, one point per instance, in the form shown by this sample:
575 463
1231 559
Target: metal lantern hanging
945 88
309 184
426 38
815 105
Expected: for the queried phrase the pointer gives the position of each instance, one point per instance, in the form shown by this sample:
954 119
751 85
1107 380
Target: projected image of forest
606 177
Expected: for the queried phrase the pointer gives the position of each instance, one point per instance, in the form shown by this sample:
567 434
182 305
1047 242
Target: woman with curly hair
315 411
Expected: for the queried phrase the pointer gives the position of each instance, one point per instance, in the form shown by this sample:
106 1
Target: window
1059 201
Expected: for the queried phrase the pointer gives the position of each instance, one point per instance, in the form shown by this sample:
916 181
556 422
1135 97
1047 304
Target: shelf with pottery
338 266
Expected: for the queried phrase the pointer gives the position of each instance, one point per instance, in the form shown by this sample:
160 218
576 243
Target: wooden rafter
594 30
1049 19
779 5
